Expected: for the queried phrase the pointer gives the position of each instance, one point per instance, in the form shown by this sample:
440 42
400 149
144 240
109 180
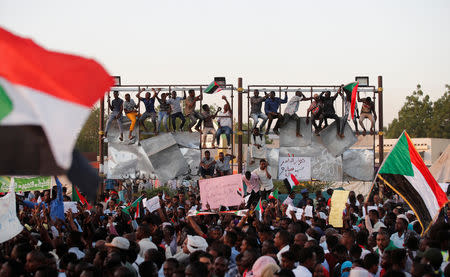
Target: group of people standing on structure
170 105
320 109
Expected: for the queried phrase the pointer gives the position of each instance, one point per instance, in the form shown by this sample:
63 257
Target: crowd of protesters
108 240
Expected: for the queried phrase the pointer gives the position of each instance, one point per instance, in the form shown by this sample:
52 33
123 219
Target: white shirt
80 254
175 104
266 183
224 119
282 250
292 105
302 271
398 241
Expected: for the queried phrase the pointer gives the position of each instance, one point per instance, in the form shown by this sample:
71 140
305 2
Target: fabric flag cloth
77 196
45 97
404 171
352 88
260 208
273 194
9 223
135 204
57 205
212 88
291 182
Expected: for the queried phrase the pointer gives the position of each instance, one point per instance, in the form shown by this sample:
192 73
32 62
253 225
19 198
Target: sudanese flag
404 171
352 88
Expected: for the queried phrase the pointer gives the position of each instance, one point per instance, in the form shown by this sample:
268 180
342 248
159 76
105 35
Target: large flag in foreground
45 97
404 171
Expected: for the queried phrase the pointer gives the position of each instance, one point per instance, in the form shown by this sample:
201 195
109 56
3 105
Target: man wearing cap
304 201
121 245
190 245
401 224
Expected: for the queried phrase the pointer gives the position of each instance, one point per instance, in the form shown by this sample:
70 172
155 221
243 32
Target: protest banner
300 167
338 200
152 204
26 184
221 191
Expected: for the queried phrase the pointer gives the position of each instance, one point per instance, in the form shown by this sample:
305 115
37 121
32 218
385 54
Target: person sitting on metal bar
129 106
255 110
290 112
347 115
191 113
164 111
207 165
225 122
367 109
223 166
208 126
149 103
175 106
328 110
316 112
258 146
271 108
116 107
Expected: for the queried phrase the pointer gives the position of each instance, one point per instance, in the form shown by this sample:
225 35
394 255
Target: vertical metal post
380 120
239 132
101 121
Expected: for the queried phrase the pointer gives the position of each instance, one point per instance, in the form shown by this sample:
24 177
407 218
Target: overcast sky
265 42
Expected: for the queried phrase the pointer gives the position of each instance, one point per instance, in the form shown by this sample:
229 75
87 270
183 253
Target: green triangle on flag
6 105
134 205
350 87
75 196
399 160
274 194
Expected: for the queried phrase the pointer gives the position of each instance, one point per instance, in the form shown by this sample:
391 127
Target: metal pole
380 120
239 132
100 140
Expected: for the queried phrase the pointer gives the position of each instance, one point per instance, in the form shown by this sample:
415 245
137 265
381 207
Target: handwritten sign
309 211
221 191
152 204
338 200
300 167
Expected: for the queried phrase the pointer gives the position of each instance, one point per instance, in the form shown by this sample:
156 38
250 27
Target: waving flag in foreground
45 97
404 171
290 183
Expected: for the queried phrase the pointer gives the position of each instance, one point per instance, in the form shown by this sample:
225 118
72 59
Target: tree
420 117
440 124
88 137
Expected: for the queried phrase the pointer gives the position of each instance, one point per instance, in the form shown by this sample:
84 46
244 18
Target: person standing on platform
175 106
129 106
190 111
164 111
116 107
328 110
225 122
290 112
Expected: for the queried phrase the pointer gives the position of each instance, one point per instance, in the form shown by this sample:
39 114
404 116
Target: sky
264 42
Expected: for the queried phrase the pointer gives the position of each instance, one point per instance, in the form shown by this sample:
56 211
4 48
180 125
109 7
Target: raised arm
359 98
285 98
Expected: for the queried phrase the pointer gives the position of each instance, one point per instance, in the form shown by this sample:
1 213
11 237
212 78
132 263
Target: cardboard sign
300 167
70 205
338 200
152 204
221 191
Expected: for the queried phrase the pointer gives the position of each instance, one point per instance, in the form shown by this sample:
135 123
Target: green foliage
312 186
420 117
88 137
166 190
